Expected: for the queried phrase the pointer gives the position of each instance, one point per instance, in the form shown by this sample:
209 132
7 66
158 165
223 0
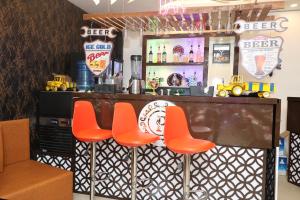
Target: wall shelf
175 64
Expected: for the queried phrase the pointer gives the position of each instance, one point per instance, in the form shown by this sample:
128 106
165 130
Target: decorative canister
85 78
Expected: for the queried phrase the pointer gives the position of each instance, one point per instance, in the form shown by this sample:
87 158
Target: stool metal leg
133 172
186 176
93 164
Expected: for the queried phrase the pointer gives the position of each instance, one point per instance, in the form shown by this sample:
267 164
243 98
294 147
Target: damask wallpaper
37 38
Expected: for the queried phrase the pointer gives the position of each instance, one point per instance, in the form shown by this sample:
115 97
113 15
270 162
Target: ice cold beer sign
97 55
260 55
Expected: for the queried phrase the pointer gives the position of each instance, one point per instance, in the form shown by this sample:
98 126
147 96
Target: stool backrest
175 124
124 119
84 117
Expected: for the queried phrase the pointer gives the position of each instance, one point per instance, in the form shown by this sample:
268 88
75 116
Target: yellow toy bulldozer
237 87
61 82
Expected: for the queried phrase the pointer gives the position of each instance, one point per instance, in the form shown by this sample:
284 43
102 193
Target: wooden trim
264 13
275 6
190 99
254 14
144 58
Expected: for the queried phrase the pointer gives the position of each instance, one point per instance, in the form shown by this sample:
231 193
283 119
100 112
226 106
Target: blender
136 84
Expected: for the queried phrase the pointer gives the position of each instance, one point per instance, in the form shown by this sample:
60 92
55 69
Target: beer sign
98 32
97 55
275 25
260 55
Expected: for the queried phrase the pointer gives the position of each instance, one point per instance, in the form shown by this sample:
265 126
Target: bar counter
245 129
238 121
242 166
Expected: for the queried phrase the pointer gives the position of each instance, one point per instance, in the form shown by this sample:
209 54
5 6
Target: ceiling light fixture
112 2
96 2
294 5
171 6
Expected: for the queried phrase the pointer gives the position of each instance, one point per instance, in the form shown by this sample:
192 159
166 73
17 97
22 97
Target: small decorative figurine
237 87
61 82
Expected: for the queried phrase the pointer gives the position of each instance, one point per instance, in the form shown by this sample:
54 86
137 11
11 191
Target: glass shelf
173 64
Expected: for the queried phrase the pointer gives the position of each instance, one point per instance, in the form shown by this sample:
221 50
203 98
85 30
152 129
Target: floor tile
286 190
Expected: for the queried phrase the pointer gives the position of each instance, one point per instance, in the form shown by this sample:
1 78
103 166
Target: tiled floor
287 191
86 197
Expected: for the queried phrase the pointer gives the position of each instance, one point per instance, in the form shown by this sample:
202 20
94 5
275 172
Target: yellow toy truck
237 87
61 82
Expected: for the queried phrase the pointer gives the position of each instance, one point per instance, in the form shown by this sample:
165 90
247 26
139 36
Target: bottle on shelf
156 78
174 80
158 55
184 81
164 55
199 57
160 81
150 57
195 77
191 55
148 77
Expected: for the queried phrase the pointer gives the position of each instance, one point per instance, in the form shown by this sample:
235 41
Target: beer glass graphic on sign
260 63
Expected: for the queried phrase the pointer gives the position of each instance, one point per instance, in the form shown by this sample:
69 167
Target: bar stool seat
135 138
126 133
85 129
189 145
179 140
93 135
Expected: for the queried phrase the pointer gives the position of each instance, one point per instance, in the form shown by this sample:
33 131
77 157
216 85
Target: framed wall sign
260 55
97 55
98 32
275 25
221 53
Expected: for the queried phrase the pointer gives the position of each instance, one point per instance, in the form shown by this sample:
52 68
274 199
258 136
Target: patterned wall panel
37 38
270 174
56 161
294 159
224 172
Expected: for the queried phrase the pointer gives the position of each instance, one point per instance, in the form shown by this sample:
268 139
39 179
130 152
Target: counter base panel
56 161
270 174
294 159
224 172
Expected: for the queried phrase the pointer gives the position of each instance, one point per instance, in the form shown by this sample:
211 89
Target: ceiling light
112 2
130 1
294 5
96 2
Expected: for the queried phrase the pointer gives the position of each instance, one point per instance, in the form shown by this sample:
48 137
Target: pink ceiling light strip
167 7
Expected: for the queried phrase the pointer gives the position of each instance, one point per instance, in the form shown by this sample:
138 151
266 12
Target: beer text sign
261 25
98 32
97 55
260 55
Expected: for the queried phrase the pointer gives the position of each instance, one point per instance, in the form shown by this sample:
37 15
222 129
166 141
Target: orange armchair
22 178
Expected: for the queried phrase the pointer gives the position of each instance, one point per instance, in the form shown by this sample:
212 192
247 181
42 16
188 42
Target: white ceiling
104 6
146 5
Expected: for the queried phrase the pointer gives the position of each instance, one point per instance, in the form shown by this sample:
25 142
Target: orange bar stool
179 140
127 133
86 129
